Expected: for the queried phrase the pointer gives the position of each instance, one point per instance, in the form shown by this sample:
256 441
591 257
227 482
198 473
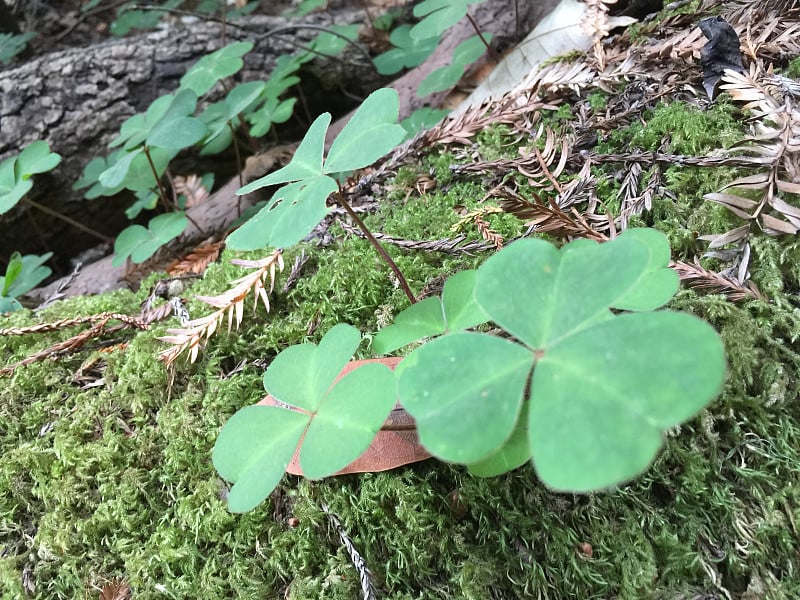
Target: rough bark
77 99
495 16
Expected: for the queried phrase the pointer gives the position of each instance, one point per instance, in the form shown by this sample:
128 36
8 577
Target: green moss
116 480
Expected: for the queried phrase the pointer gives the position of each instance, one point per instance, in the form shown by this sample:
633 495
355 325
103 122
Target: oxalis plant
553 356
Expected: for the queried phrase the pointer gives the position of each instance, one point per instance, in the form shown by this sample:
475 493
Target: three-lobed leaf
456 310
16 172
297 208
141 243
603 387
335 421
207 71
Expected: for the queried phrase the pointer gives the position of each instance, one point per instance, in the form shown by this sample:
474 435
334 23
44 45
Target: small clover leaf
369 134
423 118
221 115
289 216
439 16
335 421
36 158
445 78
12 188
455 311
207 71
408 52
140 243
134 130
16 172
22 275
176 130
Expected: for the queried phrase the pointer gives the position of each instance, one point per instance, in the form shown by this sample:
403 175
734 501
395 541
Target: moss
116 480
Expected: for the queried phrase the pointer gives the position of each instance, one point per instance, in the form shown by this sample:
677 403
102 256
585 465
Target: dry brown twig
231 303
76 342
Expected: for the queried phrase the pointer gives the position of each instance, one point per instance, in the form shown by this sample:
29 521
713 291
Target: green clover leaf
141 243
207 71
336 422
603 386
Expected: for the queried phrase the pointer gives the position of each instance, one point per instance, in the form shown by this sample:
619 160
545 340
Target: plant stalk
375 244
163 193
72 222
239 168
495 56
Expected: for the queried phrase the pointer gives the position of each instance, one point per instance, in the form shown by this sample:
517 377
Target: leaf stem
58 215
375 244
163 193
239 168
492 52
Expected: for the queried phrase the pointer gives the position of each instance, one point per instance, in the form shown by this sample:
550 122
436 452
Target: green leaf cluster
408 51
16 172
296 208
438 16
446 77
22 275
315 410
582 383
12 44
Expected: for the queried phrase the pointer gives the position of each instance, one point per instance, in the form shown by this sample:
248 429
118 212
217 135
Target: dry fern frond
75 342
192 189
231 303
197 260
775 140
700 278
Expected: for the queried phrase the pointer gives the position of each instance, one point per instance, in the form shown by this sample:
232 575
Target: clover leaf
445 78
207 71
22 275
408 51
36 158
599 387
456 310
141 243
221 116
290 216
335 421
16 172
439 16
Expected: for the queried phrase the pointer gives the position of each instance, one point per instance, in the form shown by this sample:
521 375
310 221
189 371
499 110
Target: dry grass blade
64 323
456 245
231 303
